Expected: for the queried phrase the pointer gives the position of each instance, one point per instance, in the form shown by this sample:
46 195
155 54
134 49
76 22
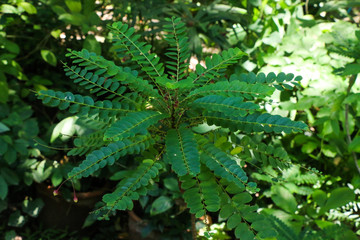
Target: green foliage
132 188
164 112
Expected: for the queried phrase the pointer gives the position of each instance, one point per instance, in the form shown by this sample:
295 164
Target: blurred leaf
3 188
73 5
120 175
9 176
76 19
143 201
56 177
335 5
10 155
249 66
32 208
49 57
10 235
3 146
273 39
6 8
16 219
309 147
171 184
4 92
3 128
160 205
28 7
255 3
236 150
92 44
42 172
56 33
328 150
354 146
64 129
339 197
351 69
283 198
58 9
319 197
203 128
3 205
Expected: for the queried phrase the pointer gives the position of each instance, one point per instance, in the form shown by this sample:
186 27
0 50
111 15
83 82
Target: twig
37 47
348 136
193 227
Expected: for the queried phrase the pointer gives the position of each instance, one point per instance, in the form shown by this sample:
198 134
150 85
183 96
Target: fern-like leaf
109 154
239 215
281 81
230 106
132 124
87 143
181 149
267 154
192 196
284 231
107 76
215 66
222 165
84 105
126 40
128 189
179 51
256 123
233 89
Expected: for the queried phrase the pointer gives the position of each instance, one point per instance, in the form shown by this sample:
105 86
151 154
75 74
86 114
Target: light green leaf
76 19
160 205
28 7
92 45
6 8
3 128
319 197
56 33
354 146
74 5
283 198
339 197
49 57
64 129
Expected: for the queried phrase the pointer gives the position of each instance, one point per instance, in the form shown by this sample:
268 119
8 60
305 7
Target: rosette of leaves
164 113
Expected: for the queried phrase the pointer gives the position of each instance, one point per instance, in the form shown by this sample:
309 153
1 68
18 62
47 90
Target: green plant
329 105
194 124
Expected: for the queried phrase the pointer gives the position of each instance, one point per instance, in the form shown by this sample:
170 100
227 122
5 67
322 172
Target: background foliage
302 37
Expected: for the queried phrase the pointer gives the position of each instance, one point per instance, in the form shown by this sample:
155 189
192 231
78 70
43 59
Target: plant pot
59 213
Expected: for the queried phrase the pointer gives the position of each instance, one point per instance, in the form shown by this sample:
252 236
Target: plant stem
193 227
348 136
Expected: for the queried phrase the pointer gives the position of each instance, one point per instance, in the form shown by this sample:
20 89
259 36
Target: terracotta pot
59 213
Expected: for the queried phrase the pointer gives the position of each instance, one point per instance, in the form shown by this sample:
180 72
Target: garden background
316 197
